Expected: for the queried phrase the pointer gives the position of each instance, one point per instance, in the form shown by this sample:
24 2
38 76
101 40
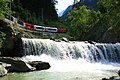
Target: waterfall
91 52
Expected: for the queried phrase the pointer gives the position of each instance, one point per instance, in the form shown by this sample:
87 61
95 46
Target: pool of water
70 75
67 70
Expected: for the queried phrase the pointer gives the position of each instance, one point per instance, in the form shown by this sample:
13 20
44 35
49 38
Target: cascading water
95 52
73 60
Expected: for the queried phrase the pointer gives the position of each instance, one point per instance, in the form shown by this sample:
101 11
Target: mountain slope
90 4
64 15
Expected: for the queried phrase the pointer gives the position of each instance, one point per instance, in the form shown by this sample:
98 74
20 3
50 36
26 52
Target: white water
96 52
72 65
78 60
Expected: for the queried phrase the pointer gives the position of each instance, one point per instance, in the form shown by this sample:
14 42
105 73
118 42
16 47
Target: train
34 28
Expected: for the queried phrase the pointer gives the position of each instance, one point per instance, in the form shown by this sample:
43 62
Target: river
72 60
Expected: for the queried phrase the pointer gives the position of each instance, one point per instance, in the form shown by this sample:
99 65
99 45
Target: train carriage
29 27
39 28
21 24
10 19
62 30
51 29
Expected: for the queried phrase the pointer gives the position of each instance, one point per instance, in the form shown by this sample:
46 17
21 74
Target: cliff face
12 43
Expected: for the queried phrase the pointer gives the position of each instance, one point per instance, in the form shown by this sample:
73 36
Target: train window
11 18
20 22
39 28
52 29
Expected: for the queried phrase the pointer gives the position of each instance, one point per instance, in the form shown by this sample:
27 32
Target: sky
63 4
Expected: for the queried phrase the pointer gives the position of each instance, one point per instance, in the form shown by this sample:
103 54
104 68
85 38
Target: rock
42 66
6 66
65 39
13 41
113 77
91 42
39 65
105 79
119 72
21 66
17 65
3 71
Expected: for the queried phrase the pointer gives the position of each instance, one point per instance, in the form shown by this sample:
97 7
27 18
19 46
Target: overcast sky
63 4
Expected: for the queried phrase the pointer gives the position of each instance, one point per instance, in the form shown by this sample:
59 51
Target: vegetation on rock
4 8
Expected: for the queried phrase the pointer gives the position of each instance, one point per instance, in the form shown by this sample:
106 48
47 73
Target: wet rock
3 71
119 72
105 79
65 39
6 66
113 77
91 42
39 65
13 41
57 40
17 65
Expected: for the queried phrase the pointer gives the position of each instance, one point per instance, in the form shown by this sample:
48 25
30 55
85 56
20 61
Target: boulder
3 71
6 66
65 39
39 65
105 79
17 65
119 72
113 77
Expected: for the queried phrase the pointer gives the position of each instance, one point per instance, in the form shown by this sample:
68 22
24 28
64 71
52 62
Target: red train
31 27
39 28
51 29
21 24
62 30
10 19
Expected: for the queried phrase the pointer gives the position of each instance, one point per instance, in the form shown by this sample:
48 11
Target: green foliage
2 38
110 18
112 14
82 20
5 7
100 24
112 10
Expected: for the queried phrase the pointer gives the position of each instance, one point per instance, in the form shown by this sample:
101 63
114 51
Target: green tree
5 7
82 20
110 13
